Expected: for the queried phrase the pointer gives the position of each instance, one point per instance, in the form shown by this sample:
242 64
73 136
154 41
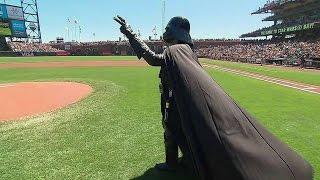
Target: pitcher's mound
21 100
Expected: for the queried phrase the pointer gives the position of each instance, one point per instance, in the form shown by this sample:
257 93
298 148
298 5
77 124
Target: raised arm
140 47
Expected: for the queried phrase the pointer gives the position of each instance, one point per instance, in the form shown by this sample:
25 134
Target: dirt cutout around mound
21 100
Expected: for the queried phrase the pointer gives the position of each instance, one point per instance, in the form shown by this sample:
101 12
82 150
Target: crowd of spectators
31 47
246 51
219 39
262 51
274 4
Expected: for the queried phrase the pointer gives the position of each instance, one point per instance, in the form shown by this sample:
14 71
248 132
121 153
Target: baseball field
116 131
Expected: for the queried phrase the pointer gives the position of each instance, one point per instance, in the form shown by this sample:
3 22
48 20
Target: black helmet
178 29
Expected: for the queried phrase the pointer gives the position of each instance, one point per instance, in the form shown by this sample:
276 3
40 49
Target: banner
27 54
19 54
3 12
15 13
62 53
289 29
18 28
5 29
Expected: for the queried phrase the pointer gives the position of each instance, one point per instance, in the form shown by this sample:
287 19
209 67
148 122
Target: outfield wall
28 54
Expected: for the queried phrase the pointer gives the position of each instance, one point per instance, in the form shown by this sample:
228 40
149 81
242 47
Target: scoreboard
12 23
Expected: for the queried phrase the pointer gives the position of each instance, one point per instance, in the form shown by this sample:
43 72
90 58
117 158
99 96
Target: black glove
125 27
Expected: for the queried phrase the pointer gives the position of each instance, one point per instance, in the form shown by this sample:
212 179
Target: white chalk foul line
281 82
310 88
265 77
6 85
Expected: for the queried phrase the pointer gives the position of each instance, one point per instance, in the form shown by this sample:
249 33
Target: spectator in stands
31 47
262 51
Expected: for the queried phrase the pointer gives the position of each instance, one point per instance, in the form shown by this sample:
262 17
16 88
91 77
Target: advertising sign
15 12
18 28
3 12
5 29
290 29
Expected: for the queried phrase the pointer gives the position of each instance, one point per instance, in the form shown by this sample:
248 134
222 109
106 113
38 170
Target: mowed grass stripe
303 76
116 133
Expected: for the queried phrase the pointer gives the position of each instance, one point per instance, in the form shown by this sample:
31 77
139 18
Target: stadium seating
290 53
31 47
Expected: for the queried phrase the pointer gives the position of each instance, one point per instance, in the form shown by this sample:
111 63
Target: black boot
185 163
171 163
166 167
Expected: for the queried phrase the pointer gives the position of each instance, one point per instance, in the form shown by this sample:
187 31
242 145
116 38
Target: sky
208 18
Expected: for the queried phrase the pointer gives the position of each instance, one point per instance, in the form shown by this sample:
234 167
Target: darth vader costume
221 140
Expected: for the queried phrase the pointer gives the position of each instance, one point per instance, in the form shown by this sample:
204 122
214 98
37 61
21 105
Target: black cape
225 141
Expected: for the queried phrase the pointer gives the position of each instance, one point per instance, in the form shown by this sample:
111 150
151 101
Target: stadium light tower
154 31
31 16
163 15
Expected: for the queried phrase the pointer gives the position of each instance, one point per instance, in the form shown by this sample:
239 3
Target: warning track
73 64
291 84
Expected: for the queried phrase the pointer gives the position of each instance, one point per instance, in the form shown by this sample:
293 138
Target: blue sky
209 18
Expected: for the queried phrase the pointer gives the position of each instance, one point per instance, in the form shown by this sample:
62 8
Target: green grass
303 76
66 58
116 133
